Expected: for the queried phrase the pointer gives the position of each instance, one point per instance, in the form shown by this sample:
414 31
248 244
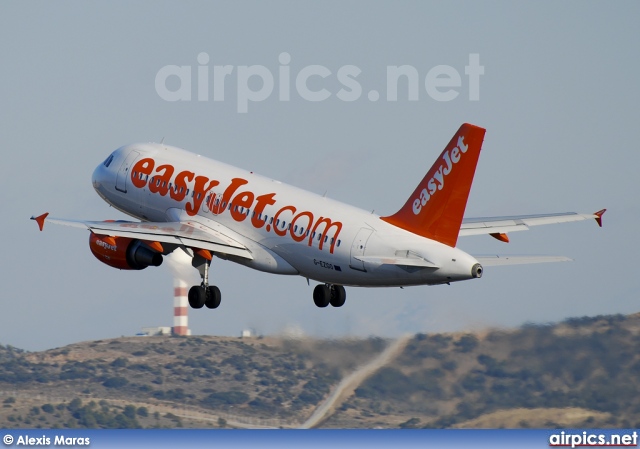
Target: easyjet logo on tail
449 159
435 208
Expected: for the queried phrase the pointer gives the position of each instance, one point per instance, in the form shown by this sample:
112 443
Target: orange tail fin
436 207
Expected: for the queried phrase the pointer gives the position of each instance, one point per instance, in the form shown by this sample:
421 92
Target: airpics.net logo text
256 83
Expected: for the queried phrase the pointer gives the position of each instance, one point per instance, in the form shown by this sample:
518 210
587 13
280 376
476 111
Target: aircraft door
357 248
123 173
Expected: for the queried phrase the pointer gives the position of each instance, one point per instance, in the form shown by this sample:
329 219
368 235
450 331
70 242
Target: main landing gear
203 294
325 294
200 296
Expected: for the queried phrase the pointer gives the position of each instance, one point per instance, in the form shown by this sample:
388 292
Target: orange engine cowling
123 252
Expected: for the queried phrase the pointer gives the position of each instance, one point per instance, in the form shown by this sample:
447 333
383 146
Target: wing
498 227
190 234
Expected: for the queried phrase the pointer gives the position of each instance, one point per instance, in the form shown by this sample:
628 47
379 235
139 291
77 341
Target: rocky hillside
237 380
582 372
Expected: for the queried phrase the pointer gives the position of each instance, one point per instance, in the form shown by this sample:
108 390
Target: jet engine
125 253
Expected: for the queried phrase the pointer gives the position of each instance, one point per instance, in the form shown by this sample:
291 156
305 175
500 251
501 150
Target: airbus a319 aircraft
186 202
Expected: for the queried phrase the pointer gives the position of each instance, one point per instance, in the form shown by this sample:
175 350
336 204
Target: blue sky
558 97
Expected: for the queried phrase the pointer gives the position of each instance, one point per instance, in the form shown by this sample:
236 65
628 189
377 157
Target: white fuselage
287 230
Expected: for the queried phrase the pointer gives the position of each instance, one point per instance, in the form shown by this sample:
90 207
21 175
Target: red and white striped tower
180 307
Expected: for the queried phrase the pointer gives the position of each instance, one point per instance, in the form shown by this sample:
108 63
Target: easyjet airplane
186 202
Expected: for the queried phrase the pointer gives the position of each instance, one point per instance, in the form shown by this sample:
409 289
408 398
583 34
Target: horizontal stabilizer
401 261
503 225
489 261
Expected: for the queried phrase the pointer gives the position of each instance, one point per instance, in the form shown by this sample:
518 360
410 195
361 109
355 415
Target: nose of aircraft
100 174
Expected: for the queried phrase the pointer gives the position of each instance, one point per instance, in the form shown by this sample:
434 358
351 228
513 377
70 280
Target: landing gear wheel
338 295
204 294
213 297
321 295
197 297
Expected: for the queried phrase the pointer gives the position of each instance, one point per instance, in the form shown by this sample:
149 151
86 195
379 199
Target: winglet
599 215
40 220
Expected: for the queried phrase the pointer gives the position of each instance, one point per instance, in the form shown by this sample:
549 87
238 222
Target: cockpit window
107 162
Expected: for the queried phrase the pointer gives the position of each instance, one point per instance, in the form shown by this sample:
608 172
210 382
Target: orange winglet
40 220
500 236
157 246
204 253
599 215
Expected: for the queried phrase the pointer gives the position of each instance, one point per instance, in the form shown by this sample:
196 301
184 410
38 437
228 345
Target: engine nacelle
123 252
